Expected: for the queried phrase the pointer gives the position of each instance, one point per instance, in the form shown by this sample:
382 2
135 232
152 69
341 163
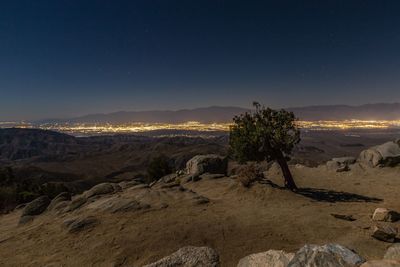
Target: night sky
66 58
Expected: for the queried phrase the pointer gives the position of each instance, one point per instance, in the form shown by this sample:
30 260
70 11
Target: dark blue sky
64 58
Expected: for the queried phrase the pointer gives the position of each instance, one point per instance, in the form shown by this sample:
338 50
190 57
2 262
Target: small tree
265 134
158 167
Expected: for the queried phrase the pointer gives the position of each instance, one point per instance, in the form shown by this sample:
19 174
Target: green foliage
158 167
264 134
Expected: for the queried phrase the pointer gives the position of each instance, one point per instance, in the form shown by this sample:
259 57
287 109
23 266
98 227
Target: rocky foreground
204 216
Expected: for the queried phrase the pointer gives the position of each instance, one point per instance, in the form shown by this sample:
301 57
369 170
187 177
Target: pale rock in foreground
330 255
381 263
189 257
270 258
340 164
383 214
206 163
100 189
60 198
37 206
387 154
385 233
393 253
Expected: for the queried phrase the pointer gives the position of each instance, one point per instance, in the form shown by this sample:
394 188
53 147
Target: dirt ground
236 222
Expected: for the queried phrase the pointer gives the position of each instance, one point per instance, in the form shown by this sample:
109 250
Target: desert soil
236 222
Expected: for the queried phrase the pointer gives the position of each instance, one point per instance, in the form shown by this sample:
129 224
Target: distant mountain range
381 111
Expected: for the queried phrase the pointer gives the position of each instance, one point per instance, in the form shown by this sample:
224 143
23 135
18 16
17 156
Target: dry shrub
247 174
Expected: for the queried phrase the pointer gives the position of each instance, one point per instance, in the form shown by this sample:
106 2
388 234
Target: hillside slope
235 221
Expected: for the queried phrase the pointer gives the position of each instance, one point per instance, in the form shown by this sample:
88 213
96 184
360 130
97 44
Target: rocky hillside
203 216
17 144
35 162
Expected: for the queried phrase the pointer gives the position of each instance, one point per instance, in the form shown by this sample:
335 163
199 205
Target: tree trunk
287 175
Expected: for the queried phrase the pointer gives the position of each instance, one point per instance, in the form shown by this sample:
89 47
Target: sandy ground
236 222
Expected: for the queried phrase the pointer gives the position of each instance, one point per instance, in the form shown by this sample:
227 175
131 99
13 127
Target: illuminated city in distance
88 129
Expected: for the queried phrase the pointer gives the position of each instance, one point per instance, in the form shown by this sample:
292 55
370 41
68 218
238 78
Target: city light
137 127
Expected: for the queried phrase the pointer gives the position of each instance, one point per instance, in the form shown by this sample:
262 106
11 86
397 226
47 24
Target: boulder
36 207
381 263
189 257
62 197
79 224
206 163
393 253
270 258
100 189
77 203
345 160
340 164
387 154
385 233
330 255
336 167
383 214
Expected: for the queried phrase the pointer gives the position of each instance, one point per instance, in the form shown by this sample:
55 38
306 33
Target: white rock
393 253
189 257
387 154
270 258
206 163
331 255
383 214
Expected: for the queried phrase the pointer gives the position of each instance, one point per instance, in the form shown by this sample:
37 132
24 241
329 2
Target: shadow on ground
324 195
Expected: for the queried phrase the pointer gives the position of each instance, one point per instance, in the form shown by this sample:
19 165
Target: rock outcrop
387 154
385 233
393 253
383 214
76 203
79 224
206 163
36 207
340 164
332 255
270 258
100 189
59 201
189 257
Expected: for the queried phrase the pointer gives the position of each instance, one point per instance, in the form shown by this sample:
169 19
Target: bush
248 174
8 198
158 167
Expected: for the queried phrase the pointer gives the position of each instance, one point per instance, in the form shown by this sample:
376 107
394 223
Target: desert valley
101 209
